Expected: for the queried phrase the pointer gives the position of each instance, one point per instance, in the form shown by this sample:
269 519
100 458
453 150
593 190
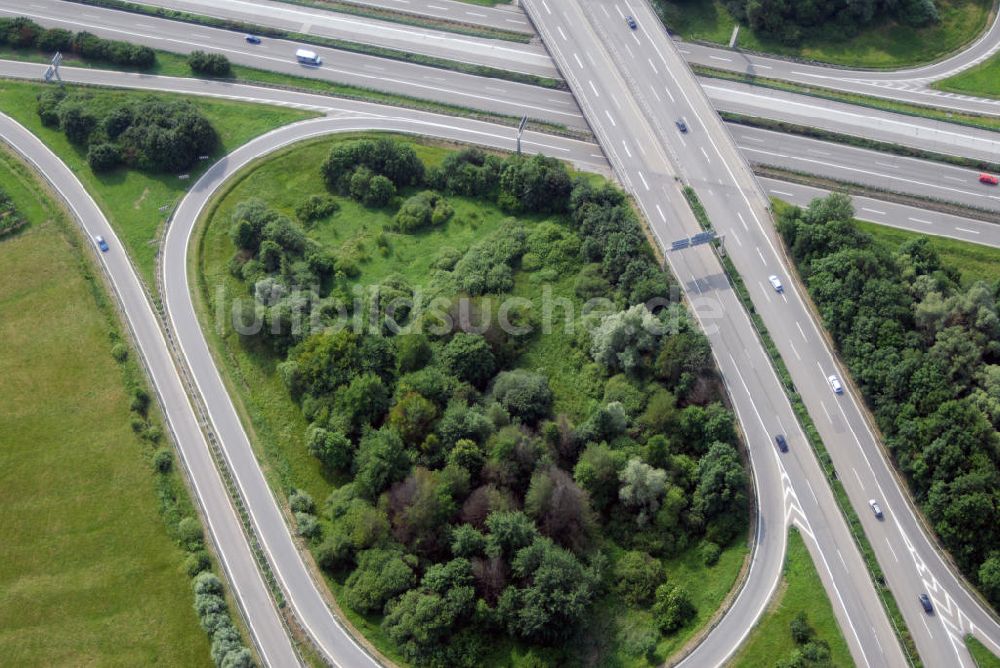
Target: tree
413 352
538 184
424 622
801 631
552 594
362 402
720 496
470 358
672 608
642 488
524 394
509 531
468 455
597 472
467 541
561 509
622 340
413 417
419 508
332 448
381 460
989 578
380 576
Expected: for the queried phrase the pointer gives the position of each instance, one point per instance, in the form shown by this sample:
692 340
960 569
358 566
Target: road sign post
520 131
53 68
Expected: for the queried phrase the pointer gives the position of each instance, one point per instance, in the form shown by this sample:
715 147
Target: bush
421 210
163 460
301 502
207 583
710 553
103 157
538 184
487 266
316 207
55 39
470 358
637 575
394 160
197 562
190 534
76 121
210 64
308 526
672 609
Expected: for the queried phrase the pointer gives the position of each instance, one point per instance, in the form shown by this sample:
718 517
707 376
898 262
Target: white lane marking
704 154
782 193
828 417
875 211
594 88
660 211
643 180
610 118
797 356
740 216
727 60
800 331
923 618
655 71
669 94
843 561
761 255
891 550
625 145
962 229
920 220
860 484
562 34
578 61
812 491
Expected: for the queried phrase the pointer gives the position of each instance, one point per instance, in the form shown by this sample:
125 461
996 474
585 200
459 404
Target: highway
791 488
961 612
504 16
393 76
647 68
528 58
902 216
882 171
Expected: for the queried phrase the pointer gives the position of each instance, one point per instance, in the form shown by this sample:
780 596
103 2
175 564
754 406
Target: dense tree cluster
474 509
793 21
211 64
23 33
924 350
10 218
149 134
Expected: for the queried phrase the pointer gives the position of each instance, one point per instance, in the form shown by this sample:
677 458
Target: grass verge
812 435
982 80
884 104
799 592
885 44
132 200
341 44
983 657
91 573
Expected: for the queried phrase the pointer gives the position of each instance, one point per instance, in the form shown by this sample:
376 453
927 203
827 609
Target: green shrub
163 460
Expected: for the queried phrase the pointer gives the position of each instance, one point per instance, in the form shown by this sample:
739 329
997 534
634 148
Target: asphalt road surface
791 487
505 16
222 522
647 67
882 171
393 76
502 54
891 214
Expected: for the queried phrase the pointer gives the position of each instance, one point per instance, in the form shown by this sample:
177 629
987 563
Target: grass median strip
983 657
812 435
983 80
872 102
343 45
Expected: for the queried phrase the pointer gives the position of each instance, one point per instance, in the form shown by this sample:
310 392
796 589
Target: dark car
925 601
253 39
101 243
681 125
631 22
782 443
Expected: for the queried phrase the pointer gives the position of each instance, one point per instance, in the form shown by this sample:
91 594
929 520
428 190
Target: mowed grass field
984 657
884 44
88 573
131 199
800 591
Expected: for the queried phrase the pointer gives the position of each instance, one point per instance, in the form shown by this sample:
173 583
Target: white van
308 57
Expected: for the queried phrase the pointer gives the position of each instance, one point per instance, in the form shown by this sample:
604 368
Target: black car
253 39
631 22
925 601
681 125
782 443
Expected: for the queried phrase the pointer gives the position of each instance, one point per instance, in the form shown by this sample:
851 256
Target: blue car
253 39
101 243
631 22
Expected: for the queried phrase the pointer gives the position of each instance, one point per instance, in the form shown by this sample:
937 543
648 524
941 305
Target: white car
776 283
835 384
877 509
